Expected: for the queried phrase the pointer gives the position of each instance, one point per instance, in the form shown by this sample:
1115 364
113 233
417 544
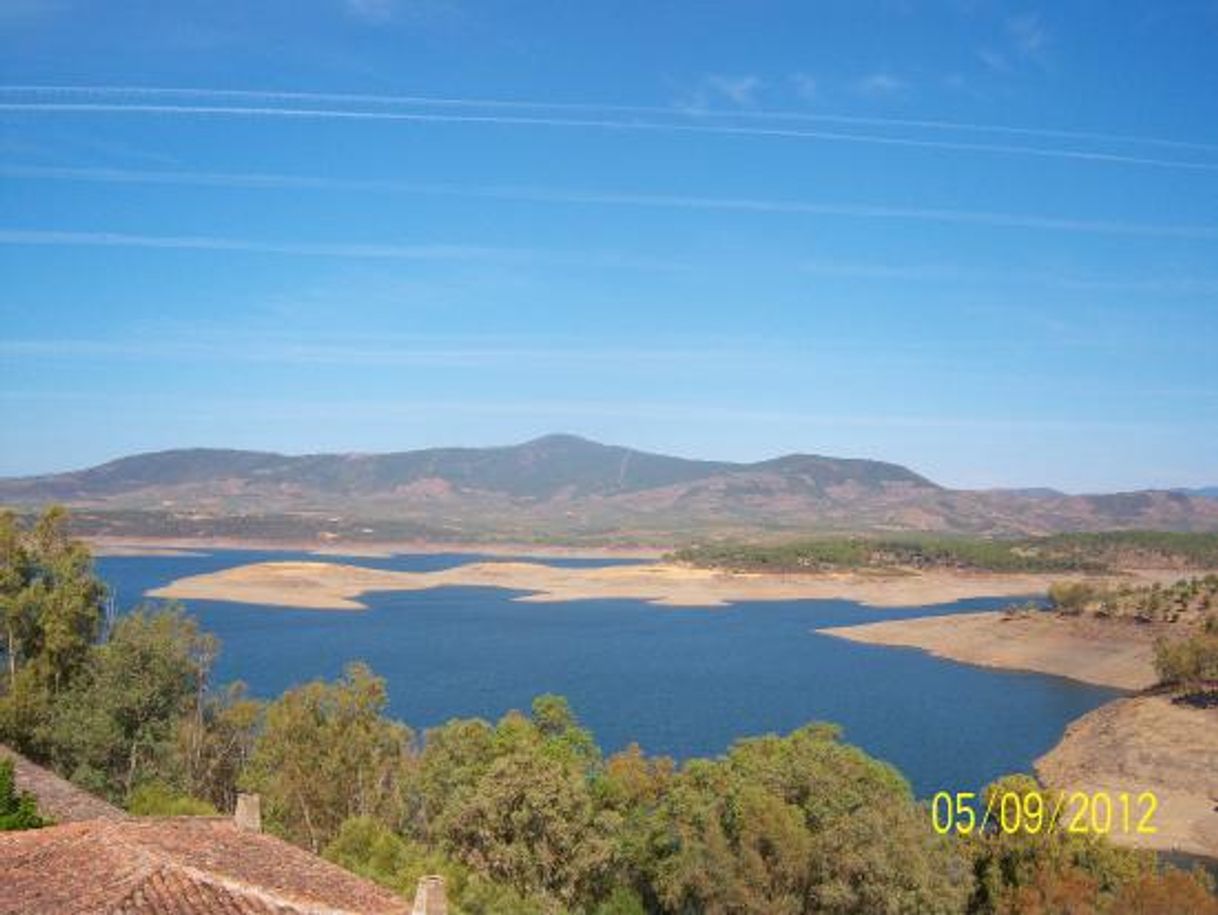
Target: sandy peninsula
334 586
1107 653
1147 743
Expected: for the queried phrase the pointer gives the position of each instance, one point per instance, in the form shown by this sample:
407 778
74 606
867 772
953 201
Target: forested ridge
523 815
1079 552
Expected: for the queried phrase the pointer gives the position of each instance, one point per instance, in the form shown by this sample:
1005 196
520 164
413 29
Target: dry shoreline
1129 746
333 586
1107 653
1146 743
124 546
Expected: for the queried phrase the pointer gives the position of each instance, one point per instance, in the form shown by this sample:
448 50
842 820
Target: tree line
524 816
1080 552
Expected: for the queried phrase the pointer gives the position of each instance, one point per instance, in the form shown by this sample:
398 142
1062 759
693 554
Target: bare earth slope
1147 743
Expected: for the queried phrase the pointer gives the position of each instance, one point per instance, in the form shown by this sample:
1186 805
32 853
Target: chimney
430 898
249 812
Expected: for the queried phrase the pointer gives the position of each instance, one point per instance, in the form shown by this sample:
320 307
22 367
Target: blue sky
973 237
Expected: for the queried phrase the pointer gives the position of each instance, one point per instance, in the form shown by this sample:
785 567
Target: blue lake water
684 682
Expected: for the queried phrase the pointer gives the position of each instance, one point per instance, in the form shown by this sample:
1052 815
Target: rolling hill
558 488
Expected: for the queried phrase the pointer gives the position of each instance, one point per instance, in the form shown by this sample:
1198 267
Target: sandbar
1147 743
1114 653
335 586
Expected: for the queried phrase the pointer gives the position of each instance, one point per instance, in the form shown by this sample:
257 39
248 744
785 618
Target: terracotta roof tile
57 798
168 866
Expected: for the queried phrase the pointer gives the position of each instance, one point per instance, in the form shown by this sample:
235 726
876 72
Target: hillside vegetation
1189 600
1080 552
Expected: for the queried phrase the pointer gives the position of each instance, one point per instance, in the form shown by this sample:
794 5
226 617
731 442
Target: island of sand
335 586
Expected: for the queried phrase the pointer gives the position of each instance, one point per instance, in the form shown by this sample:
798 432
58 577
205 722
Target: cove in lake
683 682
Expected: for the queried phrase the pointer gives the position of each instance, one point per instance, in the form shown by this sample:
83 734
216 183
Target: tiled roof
57 798
172 865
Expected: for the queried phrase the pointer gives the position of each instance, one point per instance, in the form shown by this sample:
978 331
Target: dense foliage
1058 553
18 809
525 816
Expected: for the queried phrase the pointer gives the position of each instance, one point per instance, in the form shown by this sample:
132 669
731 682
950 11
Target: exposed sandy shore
138 549
1140 744
331 586
1108 653
123 546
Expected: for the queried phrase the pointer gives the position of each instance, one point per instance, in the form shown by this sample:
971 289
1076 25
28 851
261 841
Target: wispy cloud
1023 38
1029 36
356 250
381 12
625 126
805 86
880 84
539 195
682 112
739 90
404 352
371 10
947 272
994 60
212 243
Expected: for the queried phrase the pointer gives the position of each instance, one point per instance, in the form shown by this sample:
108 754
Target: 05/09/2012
1033 812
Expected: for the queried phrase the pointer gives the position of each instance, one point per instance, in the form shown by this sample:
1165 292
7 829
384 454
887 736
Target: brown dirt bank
122 546
1108 653
1147 743
321 585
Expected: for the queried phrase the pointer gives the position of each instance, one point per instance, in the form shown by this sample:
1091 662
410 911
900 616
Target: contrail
428 252
242 111
599 107
211 243
533 195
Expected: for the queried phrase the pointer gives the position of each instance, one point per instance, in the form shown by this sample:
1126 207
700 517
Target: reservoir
682 682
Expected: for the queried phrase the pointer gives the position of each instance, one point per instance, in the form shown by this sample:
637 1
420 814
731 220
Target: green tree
1191 661
158 799
531 823
116 726
327 754
798 824
1071 597
519 804
52 609
18 809
455 757
367 847
214 744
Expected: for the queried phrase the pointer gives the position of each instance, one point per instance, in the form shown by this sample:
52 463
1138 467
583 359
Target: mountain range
560 488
